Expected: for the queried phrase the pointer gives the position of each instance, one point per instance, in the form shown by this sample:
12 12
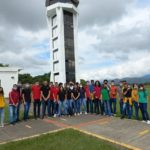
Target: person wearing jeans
120 94
97 98
121 106
36 97
26 110
83 105
26 95
105 98
56 108
76 100
92 100
89 101
36 108
82 100
45 96
69 90
62 101
13 114
143 99
127 102
89 105
113 97
76 104
129 107
51 107
2 107
113 103
51 102
2 115
135 100
13 103
55 97
99 106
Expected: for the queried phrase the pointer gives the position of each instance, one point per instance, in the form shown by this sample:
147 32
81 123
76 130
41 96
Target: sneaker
148 122
42 117
80 113
18 120
75 114
12 124
55 115
122 117
143 121
85 113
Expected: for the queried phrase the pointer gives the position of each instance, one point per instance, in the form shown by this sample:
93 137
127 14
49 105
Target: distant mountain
144 79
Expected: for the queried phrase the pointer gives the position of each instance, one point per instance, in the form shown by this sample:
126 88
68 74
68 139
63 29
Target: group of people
73 99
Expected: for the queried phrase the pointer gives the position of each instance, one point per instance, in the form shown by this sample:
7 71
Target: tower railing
51 2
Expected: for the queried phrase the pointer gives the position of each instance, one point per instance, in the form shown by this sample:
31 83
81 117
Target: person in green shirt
106 99
142 100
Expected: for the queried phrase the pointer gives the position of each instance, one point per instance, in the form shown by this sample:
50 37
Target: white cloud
136 66
117 50
26 51
113 37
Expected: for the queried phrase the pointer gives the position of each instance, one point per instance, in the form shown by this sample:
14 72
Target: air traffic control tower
62 17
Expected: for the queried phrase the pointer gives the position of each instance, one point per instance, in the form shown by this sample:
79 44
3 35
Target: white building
8 77
62 18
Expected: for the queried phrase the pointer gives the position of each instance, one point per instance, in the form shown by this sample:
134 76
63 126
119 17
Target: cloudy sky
114 37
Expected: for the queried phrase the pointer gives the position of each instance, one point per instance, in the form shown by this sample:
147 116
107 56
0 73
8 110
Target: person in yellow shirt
2 106
135 100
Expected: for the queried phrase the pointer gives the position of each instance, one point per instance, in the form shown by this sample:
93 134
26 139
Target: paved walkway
129 133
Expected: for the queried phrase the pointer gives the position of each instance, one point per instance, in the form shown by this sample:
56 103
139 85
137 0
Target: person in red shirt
113 97
36 97
51 107
13 103
97 96
88 97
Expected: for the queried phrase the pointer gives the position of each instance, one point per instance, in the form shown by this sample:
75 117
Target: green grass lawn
68 139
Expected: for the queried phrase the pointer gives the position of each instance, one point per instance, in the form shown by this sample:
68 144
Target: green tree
83 82
4 65
27 78
41 78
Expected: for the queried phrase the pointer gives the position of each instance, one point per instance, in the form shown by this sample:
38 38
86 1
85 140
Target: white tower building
62 17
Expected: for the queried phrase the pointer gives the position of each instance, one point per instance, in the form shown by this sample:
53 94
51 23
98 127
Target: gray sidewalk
129 132
25 129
